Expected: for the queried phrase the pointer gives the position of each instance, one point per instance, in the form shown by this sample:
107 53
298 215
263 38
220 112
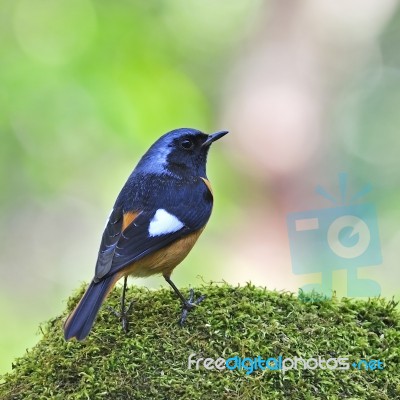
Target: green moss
150 362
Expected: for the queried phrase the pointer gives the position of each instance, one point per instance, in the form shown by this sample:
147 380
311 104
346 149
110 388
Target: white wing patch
163 223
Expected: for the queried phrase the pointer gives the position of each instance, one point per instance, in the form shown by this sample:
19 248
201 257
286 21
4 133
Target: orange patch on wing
164 260
128 218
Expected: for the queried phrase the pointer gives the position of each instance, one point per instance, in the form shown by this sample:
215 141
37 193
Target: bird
157 218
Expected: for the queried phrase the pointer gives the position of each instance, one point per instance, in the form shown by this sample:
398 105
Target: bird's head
181 152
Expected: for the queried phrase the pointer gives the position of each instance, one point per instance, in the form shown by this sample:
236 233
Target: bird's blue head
181 152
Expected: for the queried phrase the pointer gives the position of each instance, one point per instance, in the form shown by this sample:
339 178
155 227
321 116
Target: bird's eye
187 144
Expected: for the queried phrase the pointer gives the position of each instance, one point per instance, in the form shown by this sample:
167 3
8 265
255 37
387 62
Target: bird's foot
189 304
122 315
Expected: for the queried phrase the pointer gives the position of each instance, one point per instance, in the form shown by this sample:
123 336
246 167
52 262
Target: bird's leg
122 315
188 304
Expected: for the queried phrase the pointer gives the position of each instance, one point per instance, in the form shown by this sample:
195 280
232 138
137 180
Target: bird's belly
163 261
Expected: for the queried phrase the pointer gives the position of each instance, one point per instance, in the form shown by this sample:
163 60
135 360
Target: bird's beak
213 137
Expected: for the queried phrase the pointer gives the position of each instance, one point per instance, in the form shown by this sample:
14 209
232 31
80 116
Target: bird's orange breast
163 261
166 259
207 183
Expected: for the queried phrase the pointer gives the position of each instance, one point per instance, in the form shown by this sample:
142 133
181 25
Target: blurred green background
307 90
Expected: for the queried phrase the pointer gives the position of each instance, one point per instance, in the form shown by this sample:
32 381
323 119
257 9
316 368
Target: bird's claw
189 305
122 315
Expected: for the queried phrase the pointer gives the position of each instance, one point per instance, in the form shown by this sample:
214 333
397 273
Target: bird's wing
129 236
148 232
112 233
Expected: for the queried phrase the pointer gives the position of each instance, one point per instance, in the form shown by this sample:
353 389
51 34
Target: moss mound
151 361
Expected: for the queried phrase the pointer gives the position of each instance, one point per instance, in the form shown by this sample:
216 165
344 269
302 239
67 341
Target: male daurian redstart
157 218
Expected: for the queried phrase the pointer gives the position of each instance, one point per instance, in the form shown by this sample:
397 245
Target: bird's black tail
80 321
